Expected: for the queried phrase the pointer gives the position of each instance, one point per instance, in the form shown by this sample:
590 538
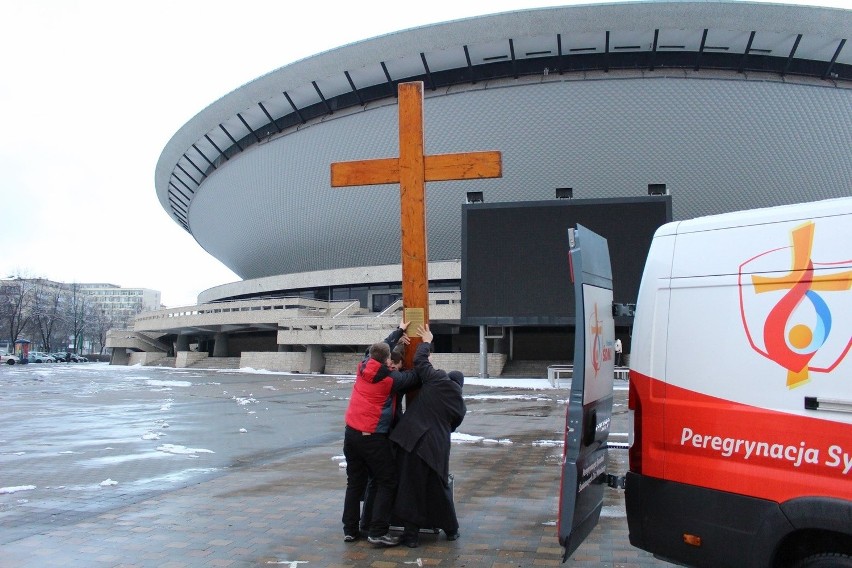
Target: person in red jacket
396 364
371 413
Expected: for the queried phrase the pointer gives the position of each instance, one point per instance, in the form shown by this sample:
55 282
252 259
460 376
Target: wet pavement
138 466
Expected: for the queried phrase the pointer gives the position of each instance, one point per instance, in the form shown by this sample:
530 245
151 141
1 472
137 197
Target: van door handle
831 404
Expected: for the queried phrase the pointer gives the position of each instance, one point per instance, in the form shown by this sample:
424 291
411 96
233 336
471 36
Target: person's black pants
368 456
367 510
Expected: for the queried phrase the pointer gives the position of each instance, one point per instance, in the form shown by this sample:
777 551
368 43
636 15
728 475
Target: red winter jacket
372 406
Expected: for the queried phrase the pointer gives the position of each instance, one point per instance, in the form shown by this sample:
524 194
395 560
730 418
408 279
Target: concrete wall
119 356
293 361
333 363
145 358
467 363
342 363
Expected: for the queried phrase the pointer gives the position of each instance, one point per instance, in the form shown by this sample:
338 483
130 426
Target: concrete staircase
138 341
160 360
217 363
537 369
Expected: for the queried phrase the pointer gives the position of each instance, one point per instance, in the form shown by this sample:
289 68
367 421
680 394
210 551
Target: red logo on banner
596 330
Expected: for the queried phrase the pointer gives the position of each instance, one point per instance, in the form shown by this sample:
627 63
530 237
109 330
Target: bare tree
47 313
101 323
77 314
16 298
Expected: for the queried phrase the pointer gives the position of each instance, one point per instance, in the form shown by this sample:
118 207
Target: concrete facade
602 98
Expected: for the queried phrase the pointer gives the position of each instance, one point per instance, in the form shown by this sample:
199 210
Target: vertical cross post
412 204
411 171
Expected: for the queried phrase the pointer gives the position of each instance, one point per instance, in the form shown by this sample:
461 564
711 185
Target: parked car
69 357
40 357
9 359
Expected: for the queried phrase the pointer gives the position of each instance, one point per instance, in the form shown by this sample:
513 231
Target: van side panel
648 353
735 416
741 387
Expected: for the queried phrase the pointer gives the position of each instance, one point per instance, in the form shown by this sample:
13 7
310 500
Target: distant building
121 304
59 315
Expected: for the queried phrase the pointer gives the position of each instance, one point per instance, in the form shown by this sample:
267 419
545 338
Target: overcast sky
92 90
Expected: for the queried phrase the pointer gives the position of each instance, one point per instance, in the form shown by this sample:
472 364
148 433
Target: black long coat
434 414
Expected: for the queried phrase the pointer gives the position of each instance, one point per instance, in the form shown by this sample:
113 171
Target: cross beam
411 170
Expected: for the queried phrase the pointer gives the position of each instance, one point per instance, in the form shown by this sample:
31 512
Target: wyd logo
598 351
788 317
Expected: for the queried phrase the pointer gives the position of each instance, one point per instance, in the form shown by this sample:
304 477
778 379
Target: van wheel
10 361
825 560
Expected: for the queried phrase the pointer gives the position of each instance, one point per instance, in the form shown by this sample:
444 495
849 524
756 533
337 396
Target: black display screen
515 268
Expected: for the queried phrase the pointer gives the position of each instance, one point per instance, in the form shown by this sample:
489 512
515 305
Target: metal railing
297 312
557 372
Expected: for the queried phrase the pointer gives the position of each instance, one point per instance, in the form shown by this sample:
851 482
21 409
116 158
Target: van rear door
589 411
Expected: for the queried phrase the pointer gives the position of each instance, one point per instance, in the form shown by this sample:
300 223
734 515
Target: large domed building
731 105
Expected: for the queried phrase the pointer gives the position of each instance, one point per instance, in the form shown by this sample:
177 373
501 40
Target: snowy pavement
81 439
93 454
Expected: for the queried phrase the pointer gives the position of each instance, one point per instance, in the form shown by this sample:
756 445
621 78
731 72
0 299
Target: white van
741 390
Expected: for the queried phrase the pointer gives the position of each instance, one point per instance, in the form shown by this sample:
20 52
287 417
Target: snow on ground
16 488
497 382
183 450
157 383
248 400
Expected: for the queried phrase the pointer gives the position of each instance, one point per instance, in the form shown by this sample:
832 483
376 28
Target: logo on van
601 351
794 309
596 330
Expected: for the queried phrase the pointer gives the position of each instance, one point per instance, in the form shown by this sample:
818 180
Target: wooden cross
411 170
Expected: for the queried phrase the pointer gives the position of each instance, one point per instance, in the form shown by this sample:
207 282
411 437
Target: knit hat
457 376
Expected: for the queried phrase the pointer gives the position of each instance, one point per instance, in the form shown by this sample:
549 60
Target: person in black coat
424 494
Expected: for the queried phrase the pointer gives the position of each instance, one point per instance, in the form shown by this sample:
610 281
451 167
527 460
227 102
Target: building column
314 358
182 343
220 345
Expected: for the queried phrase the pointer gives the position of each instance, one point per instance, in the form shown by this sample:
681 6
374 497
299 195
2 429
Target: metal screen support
483 354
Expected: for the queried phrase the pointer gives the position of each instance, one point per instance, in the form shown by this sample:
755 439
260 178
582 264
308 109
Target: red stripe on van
701 440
